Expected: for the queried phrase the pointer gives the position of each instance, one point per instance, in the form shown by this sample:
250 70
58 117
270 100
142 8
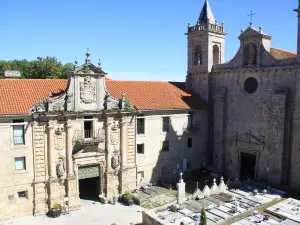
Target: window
250 85
88 126
140 125
216 55
166 124
165 146
18 132
20 163
250 55
22 194
190 142
190 121
197 56
140 148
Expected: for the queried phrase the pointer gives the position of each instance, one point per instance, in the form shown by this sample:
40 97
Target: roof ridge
282 50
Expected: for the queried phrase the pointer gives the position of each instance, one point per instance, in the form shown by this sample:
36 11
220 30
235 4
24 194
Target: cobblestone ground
91 213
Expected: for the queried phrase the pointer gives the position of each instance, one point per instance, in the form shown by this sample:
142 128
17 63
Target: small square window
20 163
140 124
22 194
165 146
190 142
166 124
140 148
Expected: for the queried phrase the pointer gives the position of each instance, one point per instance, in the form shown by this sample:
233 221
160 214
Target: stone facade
253 106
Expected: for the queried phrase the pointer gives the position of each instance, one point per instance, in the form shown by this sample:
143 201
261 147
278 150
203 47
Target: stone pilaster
40 206
69 150
276 128
124 143
110 177
108 146
51 152
219 129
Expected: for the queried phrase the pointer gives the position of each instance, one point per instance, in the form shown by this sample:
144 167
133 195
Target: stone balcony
210 27
89 137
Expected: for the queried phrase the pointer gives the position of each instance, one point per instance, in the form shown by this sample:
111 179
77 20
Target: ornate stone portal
85 96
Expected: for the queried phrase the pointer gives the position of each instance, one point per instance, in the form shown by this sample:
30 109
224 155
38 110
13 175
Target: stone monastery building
240 118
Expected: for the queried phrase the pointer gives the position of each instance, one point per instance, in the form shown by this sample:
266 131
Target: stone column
108 146
51 152
123 144
69 149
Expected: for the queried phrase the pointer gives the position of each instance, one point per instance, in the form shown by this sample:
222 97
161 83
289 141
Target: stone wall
40 200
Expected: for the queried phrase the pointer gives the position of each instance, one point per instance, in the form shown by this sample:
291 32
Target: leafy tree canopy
41 68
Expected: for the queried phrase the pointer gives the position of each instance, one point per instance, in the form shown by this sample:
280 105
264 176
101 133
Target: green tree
203 217
41 68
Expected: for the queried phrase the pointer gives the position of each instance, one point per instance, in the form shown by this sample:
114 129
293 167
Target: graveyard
232 202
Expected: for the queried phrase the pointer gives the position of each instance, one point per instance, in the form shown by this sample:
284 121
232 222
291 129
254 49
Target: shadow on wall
173 159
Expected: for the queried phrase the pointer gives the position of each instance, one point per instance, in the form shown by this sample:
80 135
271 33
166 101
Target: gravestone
214 188
222 186
206 191
180 190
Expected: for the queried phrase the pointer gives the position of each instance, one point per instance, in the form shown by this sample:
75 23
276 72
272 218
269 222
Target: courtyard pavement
91 213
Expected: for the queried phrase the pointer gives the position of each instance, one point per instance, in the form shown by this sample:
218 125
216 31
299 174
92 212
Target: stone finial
76 62
198 22
197 184
181 175
222 24
260 29
251 24
123 95
216 22
189 25
242 30
88 60
99 64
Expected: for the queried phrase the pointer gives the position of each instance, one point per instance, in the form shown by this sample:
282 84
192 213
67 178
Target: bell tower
206 42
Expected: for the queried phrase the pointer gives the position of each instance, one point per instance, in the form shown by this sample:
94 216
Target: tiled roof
282 54
155 95
17 96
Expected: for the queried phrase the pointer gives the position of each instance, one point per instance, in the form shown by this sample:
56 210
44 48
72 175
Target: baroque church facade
238 118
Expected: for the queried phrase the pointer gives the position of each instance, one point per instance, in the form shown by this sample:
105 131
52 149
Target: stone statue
115 161
60 169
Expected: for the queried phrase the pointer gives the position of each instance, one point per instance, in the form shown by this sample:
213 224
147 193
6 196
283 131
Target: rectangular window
140 123
22 194
20 163
190 142
166 124
165 146
190 121
18 132
88 129
140 148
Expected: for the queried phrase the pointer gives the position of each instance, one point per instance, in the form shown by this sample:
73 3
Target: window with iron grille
18 132
166 124
140 148
140 125
165 146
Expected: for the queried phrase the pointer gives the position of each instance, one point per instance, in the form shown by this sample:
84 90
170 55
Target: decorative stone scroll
87 90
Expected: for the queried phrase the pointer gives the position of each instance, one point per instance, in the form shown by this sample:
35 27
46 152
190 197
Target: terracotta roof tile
17 96
282 54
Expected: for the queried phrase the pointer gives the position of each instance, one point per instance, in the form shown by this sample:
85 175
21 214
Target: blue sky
135 39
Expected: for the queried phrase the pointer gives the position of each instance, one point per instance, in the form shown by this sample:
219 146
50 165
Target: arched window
216 55
197 56
250 55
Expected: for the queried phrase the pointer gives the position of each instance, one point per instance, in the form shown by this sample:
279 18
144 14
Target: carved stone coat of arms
87 90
